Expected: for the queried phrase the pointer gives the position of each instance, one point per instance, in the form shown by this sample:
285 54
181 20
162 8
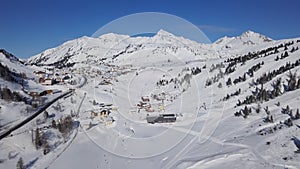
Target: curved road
28 119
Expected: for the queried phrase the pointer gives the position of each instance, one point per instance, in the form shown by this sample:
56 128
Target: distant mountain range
111 46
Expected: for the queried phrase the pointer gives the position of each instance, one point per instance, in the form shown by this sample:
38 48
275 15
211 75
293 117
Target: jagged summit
162 32
245 40
249 33
253 35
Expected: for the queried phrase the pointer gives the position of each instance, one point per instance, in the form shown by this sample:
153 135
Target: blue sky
29 27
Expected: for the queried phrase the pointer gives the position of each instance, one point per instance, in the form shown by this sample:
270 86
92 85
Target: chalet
159 97
161 118
148 109
41 80
105 82
94 114
145 99
59 80
45 92
39 73
143 105
37 101
102 113
48 81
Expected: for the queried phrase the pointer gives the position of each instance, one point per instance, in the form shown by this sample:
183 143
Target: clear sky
29 27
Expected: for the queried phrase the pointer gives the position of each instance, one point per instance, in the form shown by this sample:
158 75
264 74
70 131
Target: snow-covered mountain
247 38
236 104
247 42
13 62
9 56
113 45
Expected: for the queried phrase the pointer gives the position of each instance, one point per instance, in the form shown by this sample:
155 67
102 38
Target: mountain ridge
111 44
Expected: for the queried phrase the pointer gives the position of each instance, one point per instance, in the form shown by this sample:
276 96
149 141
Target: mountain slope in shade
10 57
13 63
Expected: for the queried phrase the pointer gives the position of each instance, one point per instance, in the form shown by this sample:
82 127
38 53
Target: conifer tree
297 115
54 124
37 139
20 164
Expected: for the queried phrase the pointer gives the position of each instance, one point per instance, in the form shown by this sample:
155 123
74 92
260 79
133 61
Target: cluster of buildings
103 115
145 104
37 99
52 78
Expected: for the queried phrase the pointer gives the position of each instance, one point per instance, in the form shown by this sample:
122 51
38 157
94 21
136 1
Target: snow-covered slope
235 103
87 49
247 38
112 45
247 42
14 78
12 62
